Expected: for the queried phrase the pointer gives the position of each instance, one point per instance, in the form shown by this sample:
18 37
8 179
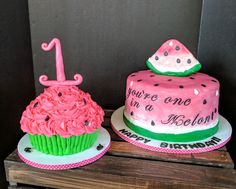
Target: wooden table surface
128 166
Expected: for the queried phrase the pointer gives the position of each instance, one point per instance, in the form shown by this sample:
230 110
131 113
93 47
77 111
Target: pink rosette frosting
62 110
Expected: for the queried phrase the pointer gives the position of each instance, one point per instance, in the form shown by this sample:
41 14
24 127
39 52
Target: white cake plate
45 161
216 141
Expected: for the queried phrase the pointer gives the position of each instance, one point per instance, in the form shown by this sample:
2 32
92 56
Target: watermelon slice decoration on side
174 59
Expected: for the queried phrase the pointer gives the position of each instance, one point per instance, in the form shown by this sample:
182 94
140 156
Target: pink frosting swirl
62 110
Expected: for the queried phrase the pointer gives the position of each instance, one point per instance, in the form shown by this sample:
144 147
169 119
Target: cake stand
38 159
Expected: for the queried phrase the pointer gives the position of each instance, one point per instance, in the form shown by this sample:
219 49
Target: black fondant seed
215 110
59 94
214 80
152 75
204 101
156 58
188 61
177 48
47 118
132 113
169 80
203 85
139 80
86 123
99 147
85 102
181 86
36 104
156 84
28 149
178 60
133 75
152 123
191 78
165 53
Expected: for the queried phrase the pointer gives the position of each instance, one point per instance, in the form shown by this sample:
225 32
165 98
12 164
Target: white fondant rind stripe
166 68
224 134
168 129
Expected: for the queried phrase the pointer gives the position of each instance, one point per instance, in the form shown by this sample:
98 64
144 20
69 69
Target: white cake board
216 141
45 161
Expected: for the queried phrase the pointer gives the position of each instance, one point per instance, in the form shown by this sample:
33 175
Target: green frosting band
192 70
186 137
57 145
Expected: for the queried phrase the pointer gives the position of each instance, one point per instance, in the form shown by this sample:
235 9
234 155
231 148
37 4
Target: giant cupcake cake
63 120
172 102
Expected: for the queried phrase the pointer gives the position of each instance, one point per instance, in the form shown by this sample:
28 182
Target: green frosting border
192 70
186 137
59 146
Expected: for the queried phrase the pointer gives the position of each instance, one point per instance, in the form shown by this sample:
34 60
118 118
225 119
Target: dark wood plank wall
16 74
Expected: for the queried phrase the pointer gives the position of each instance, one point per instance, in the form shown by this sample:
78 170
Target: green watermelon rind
188 72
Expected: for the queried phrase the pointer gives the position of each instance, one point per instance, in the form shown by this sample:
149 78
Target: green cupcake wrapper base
57 145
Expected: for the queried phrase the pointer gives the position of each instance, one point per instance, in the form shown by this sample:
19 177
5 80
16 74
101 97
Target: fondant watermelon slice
173 58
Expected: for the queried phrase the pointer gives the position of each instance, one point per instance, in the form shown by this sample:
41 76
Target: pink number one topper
61 79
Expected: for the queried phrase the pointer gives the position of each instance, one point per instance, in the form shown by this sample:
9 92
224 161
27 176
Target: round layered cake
178 104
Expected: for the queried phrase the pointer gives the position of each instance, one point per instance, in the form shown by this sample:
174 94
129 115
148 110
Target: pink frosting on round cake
62 110
171 104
